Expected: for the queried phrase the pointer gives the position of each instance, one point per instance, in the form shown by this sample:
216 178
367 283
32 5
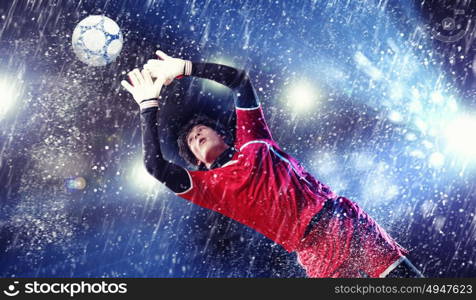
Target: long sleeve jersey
260 185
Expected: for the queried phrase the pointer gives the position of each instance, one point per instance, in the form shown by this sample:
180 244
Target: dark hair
184 150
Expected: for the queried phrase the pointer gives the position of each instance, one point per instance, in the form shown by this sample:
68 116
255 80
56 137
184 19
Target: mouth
201 141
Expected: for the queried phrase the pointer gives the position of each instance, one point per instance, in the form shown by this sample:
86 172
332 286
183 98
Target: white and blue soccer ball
97 40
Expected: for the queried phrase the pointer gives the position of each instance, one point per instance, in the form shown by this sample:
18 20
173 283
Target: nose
197 135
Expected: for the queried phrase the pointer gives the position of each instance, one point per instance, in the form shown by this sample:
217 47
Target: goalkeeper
250 179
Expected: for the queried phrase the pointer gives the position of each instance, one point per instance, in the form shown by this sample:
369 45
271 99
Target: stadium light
302 97
459 136
9 92
140 180
395 116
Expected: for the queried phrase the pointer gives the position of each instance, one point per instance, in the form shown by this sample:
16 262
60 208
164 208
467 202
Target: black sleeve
173 176
236 79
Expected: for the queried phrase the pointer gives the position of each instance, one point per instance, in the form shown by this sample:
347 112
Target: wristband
187 69
149 103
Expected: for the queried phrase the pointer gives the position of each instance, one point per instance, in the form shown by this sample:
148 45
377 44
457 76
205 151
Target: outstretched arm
250 121
236 79
146 92
251 124
173 176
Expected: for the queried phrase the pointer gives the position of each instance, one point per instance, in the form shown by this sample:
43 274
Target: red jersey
266 189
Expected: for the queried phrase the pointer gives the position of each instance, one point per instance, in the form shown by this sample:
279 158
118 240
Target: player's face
205 143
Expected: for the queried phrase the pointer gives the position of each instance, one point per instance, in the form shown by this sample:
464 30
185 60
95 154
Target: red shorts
346 242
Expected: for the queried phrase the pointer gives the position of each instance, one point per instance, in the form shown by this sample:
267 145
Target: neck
218 152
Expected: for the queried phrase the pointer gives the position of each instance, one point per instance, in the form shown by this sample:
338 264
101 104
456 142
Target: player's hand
168 66
143 87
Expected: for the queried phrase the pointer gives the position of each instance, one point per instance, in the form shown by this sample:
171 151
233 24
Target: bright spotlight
460 136
395 116
302 97
140 179
8 96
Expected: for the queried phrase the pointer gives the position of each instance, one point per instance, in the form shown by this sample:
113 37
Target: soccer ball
97 40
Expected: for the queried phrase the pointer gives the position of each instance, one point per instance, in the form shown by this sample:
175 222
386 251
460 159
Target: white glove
144 90
168 66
